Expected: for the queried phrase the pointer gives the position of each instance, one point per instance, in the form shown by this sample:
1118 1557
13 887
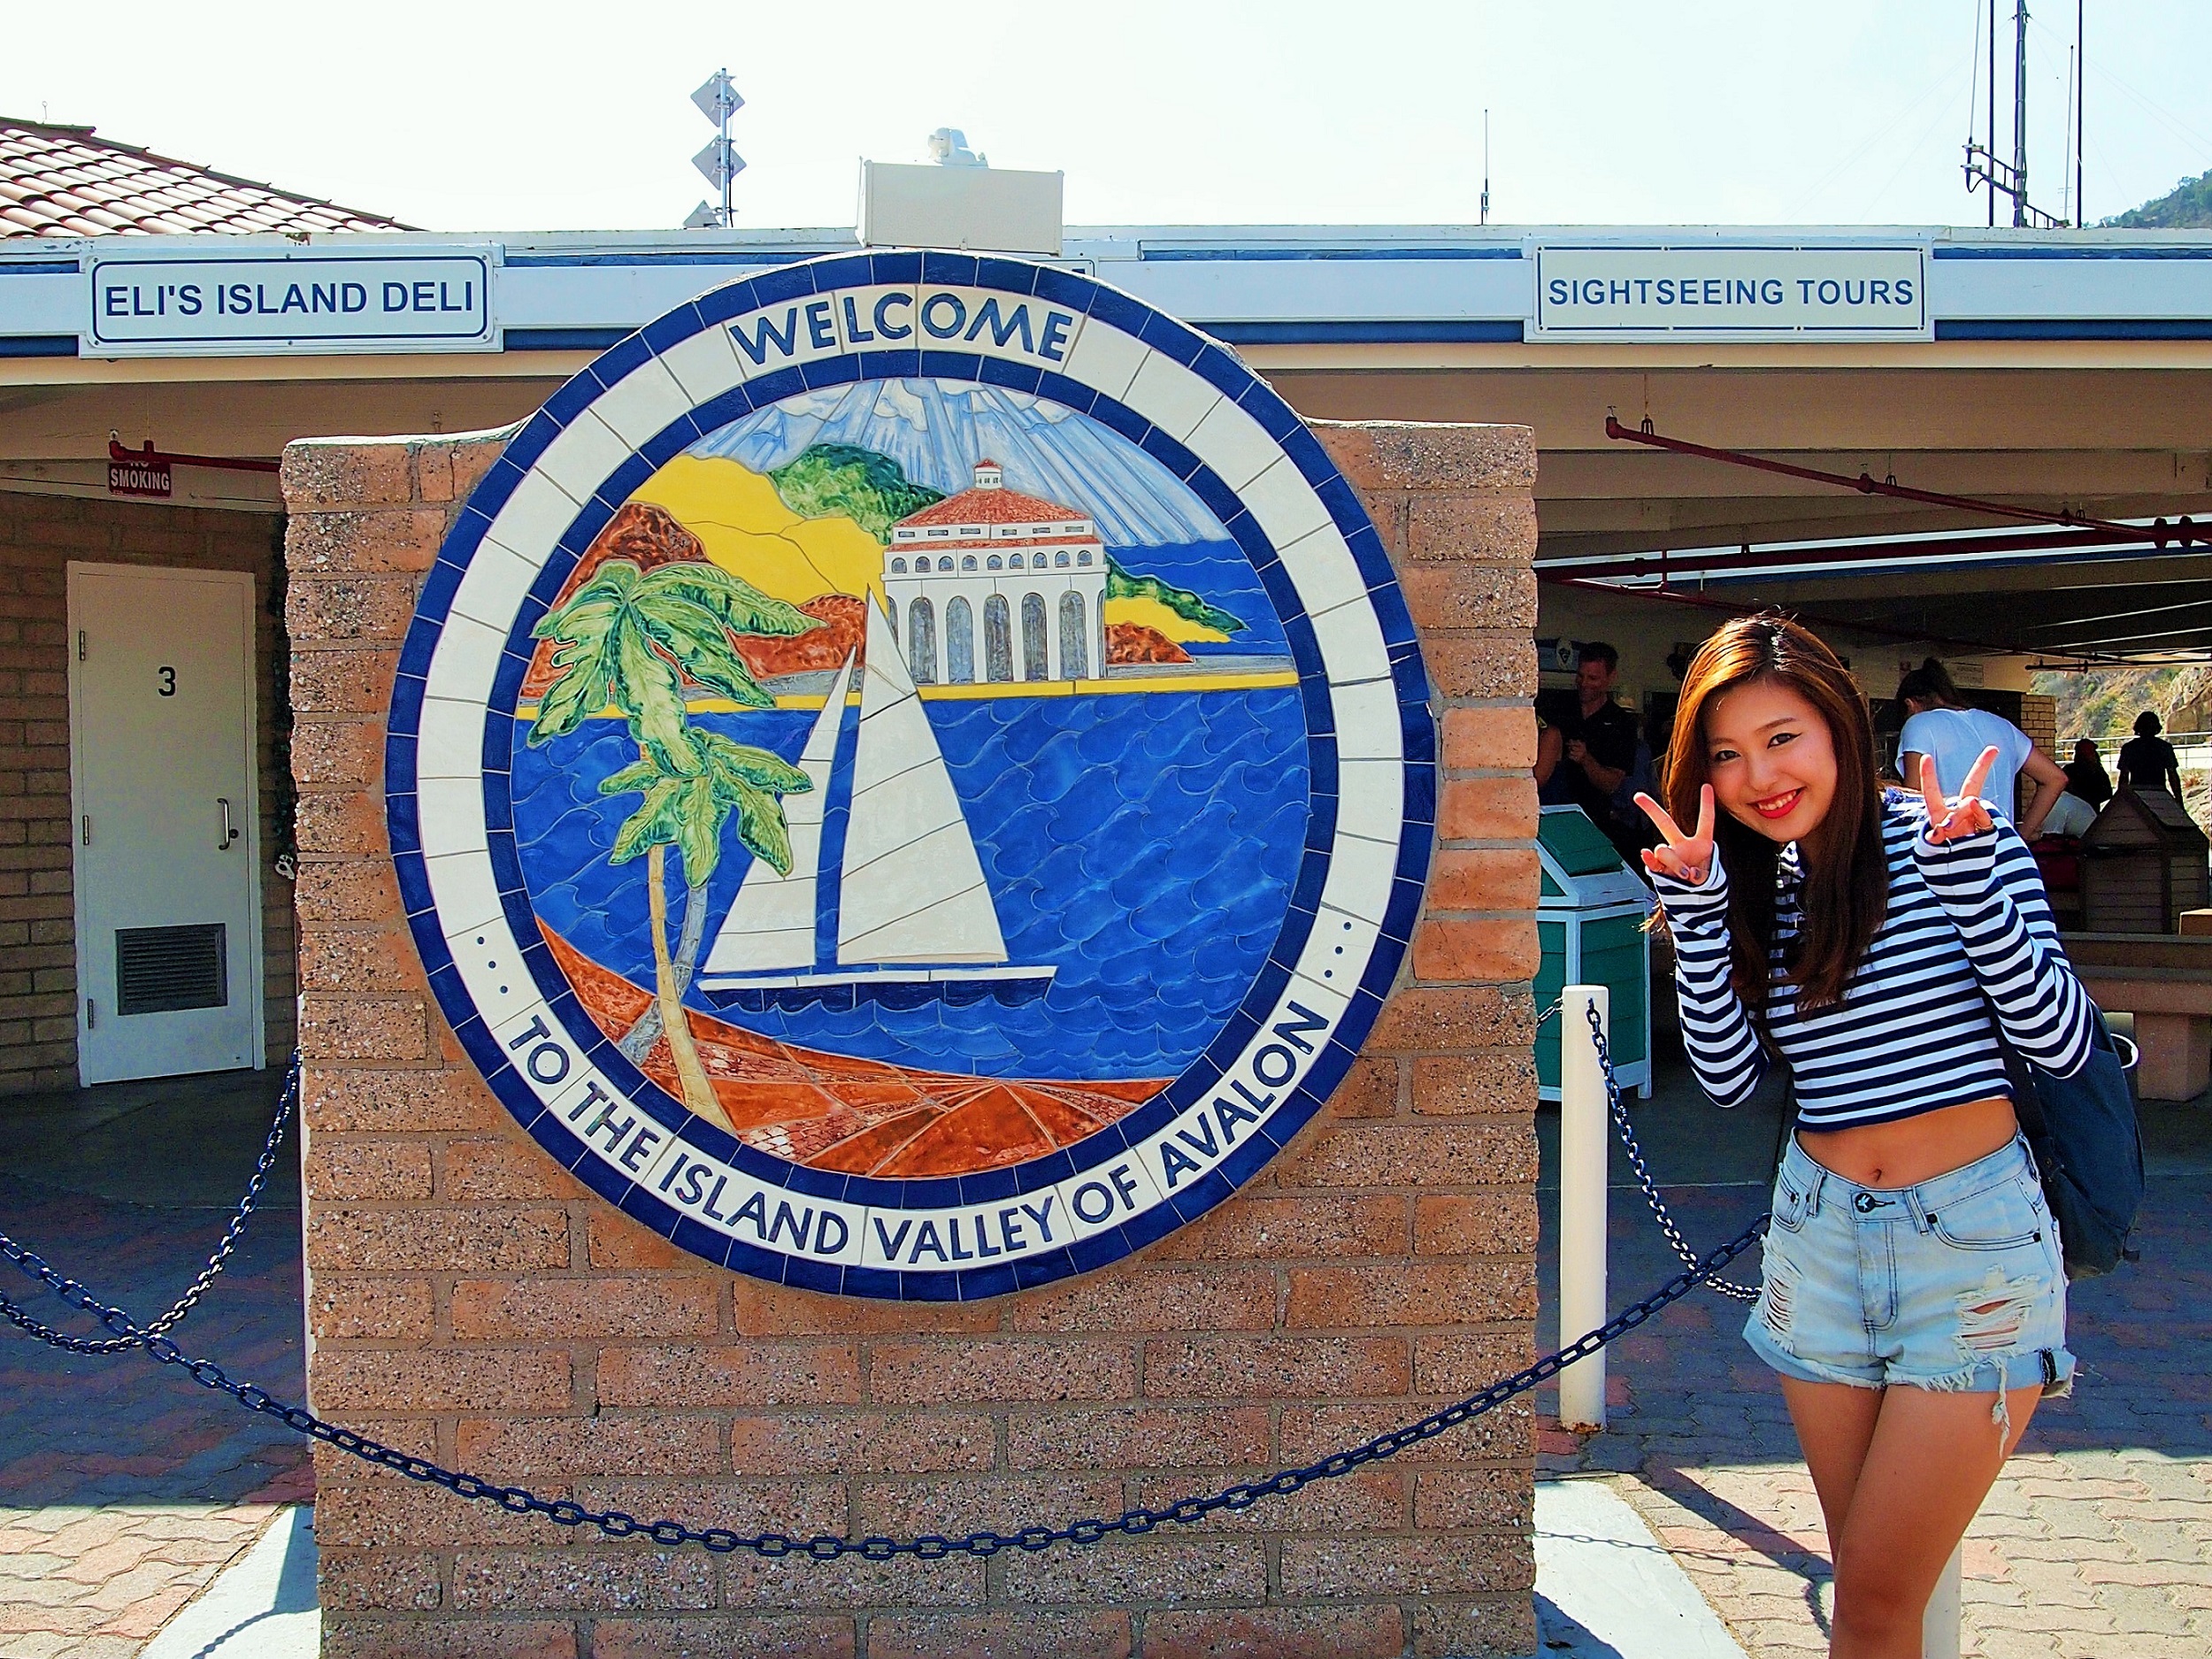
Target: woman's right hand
1685 858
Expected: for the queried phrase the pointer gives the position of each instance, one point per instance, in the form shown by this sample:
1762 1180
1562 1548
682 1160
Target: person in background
2086 776
2147 760
1548 749
2071 816
1944 729
1598 740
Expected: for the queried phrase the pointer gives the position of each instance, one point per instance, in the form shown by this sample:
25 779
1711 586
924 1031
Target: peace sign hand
1685 858
1969 816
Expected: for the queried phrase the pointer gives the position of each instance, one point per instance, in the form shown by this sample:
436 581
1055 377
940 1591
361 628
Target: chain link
927 1547
286 1105
1660 1213
151 1341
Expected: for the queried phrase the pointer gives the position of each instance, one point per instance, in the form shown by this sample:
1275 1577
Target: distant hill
2187 206
870 489
2102 704
1124 584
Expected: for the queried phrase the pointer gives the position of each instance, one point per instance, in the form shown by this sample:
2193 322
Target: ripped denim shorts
1955 1284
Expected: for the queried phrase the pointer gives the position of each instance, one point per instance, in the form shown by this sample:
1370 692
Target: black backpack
2089 1150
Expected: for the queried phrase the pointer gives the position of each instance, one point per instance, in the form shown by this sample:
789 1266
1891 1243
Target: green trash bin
1591 909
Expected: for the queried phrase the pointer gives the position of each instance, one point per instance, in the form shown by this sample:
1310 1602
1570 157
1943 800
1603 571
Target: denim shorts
1955 1284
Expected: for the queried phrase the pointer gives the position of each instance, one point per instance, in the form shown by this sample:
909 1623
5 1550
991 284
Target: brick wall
468 1302
40 535
2039 719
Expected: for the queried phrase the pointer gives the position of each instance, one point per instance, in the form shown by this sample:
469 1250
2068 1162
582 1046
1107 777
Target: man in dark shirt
1599 744
2148 761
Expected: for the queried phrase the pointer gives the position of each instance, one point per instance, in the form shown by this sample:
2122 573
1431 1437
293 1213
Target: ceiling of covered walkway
2116 430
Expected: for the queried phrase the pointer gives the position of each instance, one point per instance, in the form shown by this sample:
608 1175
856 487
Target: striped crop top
1968 929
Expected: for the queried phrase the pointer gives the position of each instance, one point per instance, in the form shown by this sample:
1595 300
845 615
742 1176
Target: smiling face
1772 759
1594 678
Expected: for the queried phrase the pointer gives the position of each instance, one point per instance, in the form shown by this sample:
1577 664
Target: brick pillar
469 1301
2039 719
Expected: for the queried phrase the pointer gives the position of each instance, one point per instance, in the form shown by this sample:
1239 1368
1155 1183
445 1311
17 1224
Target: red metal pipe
2158 533
151 455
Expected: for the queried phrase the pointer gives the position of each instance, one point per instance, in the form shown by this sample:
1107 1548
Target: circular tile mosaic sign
911 775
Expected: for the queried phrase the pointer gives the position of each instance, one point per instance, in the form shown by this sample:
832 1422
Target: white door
161 739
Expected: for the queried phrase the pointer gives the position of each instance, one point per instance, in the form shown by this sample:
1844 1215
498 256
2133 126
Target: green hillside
1121 584
826 478
2102 704
2187 206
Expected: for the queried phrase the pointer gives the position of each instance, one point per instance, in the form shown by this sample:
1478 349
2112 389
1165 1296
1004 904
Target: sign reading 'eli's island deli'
316 299
912 776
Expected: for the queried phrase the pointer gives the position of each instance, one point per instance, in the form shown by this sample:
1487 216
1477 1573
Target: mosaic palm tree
630 640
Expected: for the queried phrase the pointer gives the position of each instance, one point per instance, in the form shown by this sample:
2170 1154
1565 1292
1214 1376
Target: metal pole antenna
2066 184
1991 150
722 130
2081 93
2020 112
1485 166
717 100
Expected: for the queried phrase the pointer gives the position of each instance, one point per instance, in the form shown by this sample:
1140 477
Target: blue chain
721 1541
1659 1210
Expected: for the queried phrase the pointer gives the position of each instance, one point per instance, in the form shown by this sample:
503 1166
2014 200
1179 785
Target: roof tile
66 181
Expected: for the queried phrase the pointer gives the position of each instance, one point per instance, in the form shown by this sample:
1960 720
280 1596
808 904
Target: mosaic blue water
1143 844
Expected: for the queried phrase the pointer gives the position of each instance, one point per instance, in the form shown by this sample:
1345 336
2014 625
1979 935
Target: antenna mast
2020 114
1485 166
717 100
1983 166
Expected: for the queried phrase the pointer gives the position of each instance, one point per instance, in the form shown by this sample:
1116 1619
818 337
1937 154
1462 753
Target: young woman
2086 776
1913 1298
1940 728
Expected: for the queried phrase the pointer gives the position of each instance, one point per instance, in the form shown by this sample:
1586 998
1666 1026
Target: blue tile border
626 349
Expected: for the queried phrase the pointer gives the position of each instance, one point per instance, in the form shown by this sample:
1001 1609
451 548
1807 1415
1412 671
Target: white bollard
1583 1137
1939 1624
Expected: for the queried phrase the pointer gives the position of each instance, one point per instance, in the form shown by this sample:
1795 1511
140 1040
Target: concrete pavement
126 1487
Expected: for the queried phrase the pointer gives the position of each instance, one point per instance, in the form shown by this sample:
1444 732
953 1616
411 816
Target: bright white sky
555 115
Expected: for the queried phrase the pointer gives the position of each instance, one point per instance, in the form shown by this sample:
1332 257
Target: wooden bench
2165 980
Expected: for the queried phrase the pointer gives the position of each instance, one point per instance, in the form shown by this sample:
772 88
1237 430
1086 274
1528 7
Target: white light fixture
948 147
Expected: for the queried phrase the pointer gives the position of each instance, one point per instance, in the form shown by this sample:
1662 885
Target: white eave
1372 289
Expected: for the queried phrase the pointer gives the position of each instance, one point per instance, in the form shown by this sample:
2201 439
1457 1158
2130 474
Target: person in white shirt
1945 730
2070 815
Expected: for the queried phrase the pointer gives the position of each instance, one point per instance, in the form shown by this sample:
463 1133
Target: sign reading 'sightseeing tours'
1708 291
912 776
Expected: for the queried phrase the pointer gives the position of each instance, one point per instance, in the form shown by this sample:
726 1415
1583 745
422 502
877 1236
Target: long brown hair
1846 874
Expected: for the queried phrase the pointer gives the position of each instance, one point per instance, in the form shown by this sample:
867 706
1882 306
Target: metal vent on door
162 970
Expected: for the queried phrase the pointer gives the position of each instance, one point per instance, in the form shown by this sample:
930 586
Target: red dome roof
989 505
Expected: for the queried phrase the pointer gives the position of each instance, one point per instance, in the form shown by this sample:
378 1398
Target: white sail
913 889
770 923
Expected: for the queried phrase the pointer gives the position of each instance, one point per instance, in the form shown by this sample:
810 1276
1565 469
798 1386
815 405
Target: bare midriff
1914 1149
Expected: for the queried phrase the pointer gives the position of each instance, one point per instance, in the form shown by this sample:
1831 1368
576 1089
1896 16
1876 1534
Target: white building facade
994 586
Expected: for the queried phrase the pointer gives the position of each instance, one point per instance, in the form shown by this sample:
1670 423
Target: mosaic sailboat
914 919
